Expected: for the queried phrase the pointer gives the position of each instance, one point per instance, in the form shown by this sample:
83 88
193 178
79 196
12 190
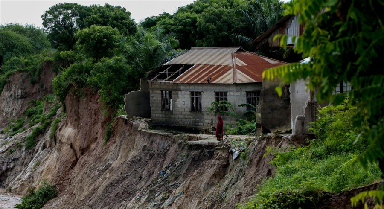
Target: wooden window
166 100
221 96
253 98
195 101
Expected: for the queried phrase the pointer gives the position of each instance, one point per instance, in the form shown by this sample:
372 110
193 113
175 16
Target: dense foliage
344 41
110 63
326 165
17 41
63 20
22 48
37 199
218 22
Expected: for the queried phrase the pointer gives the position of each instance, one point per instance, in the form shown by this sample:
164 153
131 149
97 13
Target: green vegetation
22 48
45 122
344 41
327 164
202 22
245 124
37 199
62 21
15 126
54 126
35 115
344 44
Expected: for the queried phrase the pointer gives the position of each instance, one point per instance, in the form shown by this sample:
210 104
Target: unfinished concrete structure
275 110
181 90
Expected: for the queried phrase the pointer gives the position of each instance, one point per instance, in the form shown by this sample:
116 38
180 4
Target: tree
13 44
63 20
152 21
212 23
35 36
97 41
344 41
108 15
147 50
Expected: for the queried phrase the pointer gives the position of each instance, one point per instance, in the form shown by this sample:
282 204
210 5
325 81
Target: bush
37 199
243 127
327 164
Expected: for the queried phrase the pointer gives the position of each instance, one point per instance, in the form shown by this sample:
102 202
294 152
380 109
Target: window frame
221 96
166 100
252 96
196 98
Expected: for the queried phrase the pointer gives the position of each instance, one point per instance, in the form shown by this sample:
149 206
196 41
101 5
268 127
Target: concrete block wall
275 110
137 102
181 114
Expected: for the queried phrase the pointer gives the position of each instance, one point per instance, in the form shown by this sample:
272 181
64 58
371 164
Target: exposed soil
137 167
19 91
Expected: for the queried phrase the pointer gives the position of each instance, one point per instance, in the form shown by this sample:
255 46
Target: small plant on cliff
37 199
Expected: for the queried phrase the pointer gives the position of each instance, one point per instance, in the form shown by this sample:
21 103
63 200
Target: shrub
327 164
37 199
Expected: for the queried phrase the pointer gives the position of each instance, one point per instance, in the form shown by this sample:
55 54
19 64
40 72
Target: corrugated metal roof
225 66
206 55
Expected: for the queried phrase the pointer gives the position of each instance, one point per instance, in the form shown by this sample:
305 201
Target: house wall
299 96
137 102
181 103
275 110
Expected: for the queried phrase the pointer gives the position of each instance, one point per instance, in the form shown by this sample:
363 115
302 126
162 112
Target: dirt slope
136 168
19 91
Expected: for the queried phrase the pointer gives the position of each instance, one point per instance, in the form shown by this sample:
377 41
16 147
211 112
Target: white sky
30 11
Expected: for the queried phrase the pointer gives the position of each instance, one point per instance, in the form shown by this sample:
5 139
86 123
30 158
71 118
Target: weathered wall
275 110
181 114
137 103
299 96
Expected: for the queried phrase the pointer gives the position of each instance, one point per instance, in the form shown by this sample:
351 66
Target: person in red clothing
219 128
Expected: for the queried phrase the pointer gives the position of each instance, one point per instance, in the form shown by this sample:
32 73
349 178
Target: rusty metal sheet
241 67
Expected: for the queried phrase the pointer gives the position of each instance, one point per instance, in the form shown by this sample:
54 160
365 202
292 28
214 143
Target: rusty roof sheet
238 67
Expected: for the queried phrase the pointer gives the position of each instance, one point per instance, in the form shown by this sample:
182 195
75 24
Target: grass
328 164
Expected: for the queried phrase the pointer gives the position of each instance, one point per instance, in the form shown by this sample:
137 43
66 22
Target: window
166 100
221 96
253 98
195 101
343 87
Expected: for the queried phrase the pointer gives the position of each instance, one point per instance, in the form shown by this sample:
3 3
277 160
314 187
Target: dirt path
8 201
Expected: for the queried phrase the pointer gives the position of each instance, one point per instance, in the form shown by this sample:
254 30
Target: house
287 25
303 104
178 92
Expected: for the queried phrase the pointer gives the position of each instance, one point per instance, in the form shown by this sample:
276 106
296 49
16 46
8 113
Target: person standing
219 128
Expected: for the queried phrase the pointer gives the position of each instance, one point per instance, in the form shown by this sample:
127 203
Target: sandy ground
8 201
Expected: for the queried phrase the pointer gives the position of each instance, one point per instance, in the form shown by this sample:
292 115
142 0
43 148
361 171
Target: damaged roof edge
272 29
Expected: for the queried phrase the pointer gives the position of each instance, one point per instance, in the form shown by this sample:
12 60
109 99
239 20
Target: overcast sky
30 11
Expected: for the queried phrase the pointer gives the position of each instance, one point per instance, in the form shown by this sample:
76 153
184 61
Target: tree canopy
219 22
17 40
63 20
